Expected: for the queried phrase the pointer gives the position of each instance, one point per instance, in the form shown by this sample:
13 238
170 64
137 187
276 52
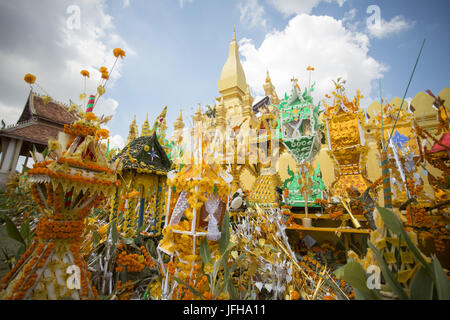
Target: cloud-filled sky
175 50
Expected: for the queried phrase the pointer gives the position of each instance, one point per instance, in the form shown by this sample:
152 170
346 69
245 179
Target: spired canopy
67 184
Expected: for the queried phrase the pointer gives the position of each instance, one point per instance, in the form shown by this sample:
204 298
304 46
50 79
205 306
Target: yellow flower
46 99
82 96
101 90
103 69
119 53
29 78
208 268
84 73
146 148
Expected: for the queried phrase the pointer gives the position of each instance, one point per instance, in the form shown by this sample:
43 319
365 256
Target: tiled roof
33 131
52 111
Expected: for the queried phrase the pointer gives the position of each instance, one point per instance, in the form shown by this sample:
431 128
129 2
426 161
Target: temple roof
32 131
146 154
51 112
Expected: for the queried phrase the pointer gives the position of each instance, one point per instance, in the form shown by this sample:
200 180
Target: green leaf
393 223
232 290
45 153
205 253
421 286
95 238
390 220
388 276
25 231
225 233
12 231
114 232
355 275
441 280
215 189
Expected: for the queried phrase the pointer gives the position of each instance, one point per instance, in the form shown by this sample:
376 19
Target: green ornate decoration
300 131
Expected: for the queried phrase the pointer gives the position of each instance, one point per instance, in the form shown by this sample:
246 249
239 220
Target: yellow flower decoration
84 73
103 69
146 148
29 78
105 75
90 116
101 90
46 99
208 268
118 53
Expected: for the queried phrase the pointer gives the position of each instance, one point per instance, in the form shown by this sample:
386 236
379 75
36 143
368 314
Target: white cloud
126 3
9 114
384 28
182 2
116 141
291 7
349 15
252 13
106 107
55 53
319 41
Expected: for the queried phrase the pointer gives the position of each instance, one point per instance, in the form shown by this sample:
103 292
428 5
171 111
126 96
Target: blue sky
176 50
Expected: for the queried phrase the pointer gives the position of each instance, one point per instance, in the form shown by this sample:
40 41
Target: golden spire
132 133
198 114
232 76
269 89
234 33
179 124
145 127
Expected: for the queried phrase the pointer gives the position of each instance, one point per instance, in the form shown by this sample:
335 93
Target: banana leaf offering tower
301 132
197 200
143 165
72 179
345 126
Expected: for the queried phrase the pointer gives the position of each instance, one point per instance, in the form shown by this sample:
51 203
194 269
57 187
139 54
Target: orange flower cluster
171 267
35 194
336 214
75 177
130 262
295 295
75 248
18 264
124 291
90 116
17 293
102 134
49 229
118 53
148 260
50 197
84 73
78 129
29 78
85 165
44 257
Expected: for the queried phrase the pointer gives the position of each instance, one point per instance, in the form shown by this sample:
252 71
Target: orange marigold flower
103 69
119 53
29 78
90 116
84 73
105 75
